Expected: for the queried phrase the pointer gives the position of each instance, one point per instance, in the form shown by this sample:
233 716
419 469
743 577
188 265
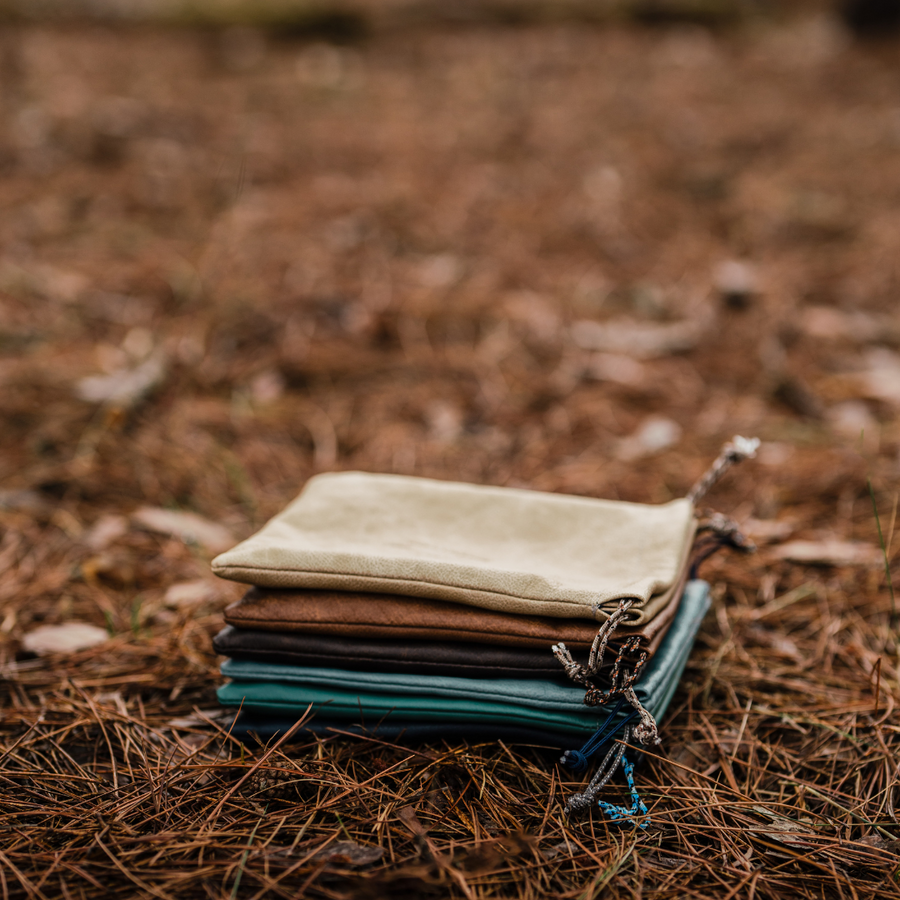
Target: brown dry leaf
185 594
67 638
618 368
188 526
641 340
112 568
562 848
879 843
828 323
764 531
24 501
201 718
882 377
123 388
656 433
781 644
853 420
787 831
104 531
830 553
349 853
407 815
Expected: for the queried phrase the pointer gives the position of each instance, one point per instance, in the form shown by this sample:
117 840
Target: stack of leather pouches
415 609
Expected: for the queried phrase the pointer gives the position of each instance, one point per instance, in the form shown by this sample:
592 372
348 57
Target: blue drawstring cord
638 808
579 760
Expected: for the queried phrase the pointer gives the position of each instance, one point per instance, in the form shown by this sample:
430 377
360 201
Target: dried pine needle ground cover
230 261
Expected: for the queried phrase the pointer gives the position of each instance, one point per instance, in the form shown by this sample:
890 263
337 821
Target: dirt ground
570 258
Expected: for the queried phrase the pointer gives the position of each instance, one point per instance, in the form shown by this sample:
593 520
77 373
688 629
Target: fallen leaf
267 387
828 323
764 531
562 848
670 862
349 853
202 719
408 817
655 433
445 421
787 831
830 553
781 644
113 568
440 271
642 340
852 419
618 368
123 388
188 526
189 593
879 843
737 282
68 638
105 530
535 313
881 381
24 501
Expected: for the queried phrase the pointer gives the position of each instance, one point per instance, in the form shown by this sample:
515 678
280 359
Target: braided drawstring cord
621 687
714 532
606 770
647 732
718 530
736 450
619 813
616 814
581 674
621 682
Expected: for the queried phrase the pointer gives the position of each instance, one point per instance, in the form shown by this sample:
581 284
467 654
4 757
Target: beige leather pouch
505 549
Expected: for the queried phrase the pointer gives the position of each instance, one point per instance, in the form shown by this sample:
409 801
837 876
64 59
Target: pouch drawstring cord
721 531
586 798
619 813
577 761
622 683
714 532
736 450
622 687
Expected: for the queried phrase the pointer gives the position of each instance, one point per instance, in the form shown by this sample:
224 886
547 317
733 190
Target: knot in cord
606 770
586 798
574 671
647 732
715 531
579 760
575 760
621 683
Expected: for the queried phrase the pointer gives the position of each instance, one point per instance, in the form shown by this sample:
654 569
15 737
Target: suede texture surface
437 656
398 621
419 657
249 725
530 703
516 551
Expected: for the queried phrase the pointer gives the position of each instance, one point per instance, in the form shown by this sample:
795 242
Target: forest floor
570 258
